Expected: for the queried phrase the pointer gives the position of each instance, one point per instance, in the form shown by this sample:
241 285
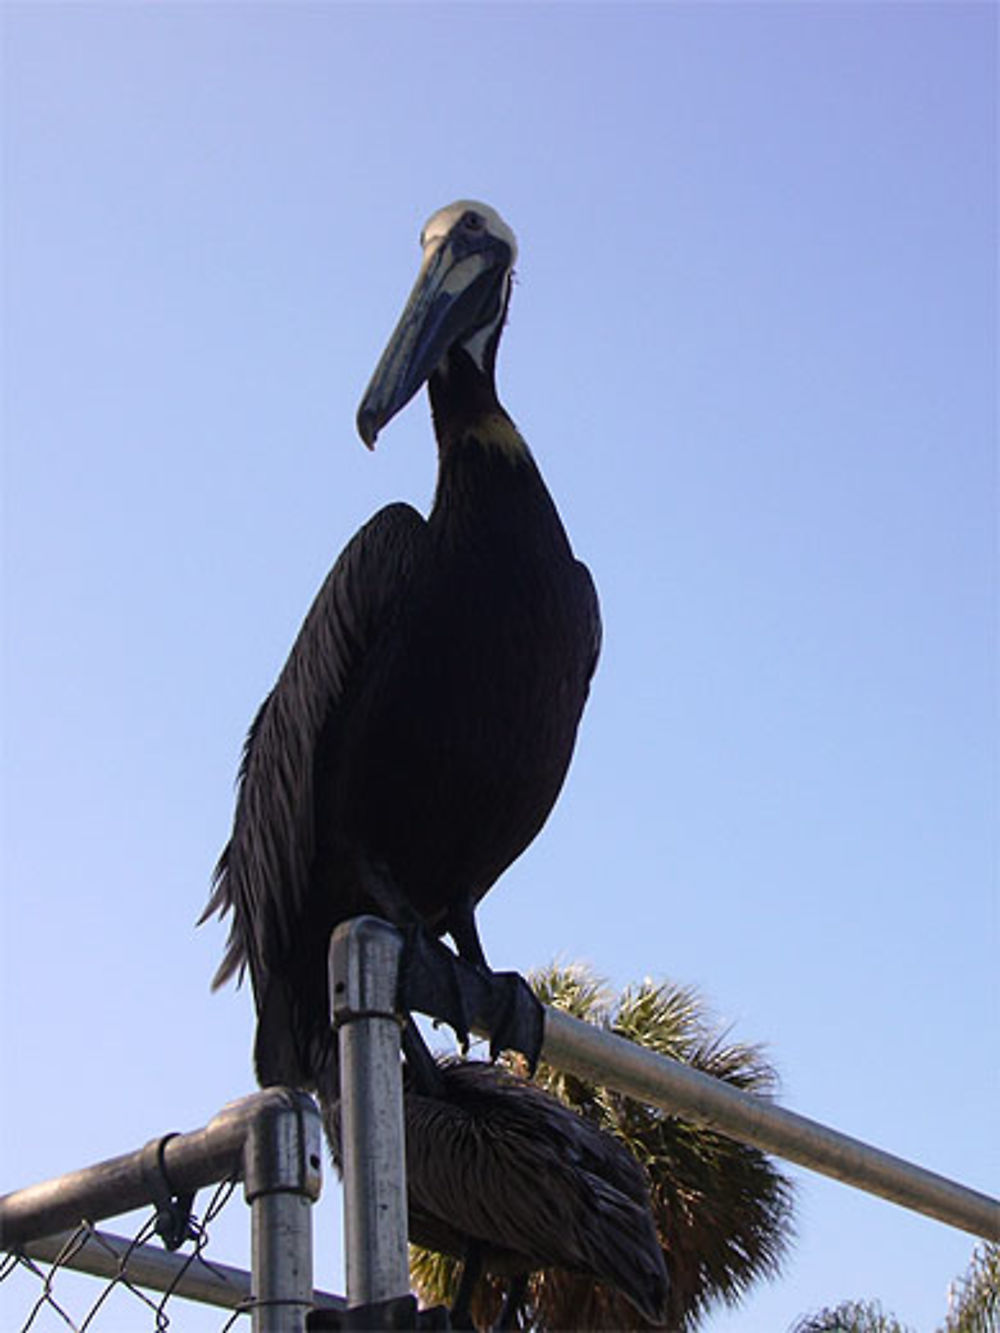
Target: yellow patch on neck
495 430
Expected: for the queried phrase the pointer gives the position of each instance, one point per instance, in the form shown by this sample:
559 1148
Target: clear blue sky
753 346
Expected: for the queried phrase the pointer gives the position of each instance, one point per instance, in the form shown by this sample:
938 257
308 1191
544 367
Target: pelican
504 1177
421 729
411 748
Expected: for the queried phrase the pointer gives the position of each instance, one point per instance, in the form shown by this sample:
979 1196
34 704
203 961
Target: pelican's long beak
460 288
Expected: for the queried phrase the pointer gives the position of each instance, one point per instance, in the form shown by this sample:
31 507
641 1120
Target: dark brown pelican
420 731
506 1178
412 747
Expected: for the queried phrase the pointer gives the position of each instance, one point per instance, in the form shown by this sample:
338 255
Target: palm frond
723 1209
975 1298
851 1317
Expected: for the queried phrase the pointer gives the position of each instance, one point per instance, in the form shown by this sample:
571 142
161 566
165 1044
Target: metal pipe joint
364 971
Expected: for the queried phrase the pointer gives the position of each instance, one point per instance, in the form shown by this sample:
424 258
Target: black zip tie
173 1224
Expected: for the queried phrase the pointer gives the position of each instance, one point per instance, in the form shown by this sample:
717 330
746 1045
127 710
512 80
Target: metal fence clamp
282 1177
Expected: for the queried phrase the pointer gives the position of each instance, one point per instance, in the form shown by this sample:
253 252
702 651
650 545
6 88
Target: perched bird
422 726
413 746
505 1177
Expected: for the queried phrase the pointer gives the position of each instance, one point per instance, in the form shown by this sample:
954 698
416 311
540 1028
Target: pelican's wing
494 1161
592 616
263 874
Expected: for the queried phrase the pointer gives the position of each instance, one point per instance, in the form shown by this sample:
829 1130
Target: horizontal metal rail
120 1184
103 1254
594 1053
216 1152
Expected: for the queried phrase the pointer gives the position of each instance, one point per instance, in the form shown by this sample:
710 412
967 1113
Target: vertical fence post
282 1167
364 967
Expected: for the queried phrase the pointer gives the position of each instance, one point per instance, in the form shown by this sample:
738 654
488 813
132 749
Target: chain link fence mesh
55 1296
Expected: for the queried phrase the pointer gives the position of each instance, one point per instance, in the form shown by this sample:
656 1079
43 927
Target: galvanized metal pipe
282 1178
191 1161
364 966
104 1254
600 1056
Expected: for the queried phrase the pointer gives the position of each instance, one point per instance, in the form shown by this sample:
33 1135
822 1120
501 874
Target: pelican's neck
464 404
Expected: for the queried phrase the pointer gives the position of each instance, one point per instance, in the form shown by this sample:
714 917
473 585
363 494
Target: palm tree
974 1301
851 1317
975 1298
722 1208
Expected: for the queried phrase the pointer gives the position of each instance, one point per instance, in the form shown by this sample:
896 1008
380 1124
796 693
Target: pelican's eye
473 221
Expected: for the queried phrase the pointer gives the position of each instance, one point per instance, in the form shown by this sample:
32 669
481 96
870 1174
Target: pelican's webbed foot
435 982
517 1018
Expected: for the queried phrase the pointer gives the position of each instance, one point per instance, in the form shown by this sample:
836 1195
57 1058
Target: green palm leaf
722 1208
